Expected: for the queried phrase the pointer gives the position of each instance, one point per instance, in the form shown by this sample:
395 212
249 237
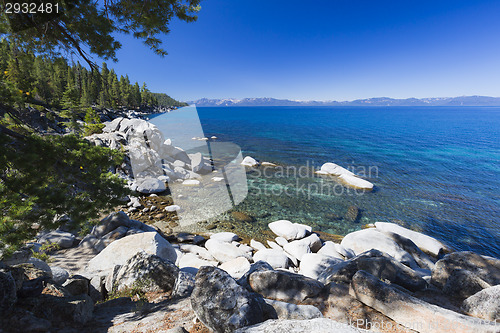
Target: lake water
435 169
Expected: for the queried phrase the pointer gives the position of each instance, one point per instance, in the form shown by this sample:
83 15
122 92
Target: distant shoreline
463 101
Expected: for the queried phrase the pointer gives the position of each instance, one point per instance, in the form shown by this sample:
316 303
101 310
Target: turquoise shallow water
435 169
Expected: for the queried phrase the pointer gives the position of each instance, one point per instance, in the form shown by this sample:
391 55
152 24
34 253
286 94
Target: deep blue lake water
435 169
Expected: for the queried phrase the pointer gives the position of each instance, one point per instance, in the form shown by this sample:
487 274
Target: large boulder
223 251
121 250
335 169
378 264
317 325
313 264
484 304
147 272
274 257
150 185
7 292
289 230
61 238
412 312
425 243
258 266
223 305
284 286
368 239
480 267
463 283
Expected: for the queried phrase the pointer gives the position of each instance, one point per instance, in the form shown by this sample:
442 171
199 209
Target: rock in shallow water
223 305
289 230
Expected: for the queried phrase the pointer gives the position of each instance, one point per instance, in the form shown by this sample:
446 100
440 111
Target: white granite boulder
425 243
289 230
223 251
121 250
236 267
335 169
330 249
227 237
275 258
367 239
257 245
249 162
313 264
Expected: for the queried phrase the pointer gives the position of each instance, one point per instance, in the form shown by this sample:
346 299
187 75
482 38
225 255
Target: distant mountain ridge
377 101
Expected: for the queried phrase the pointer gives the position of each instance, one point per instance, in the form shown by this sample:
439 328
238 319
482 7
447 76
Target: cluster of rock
295 281
152 161
410 279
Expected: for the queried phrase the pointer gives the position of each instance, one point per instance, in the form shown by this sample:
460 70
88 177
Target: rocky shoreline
139 270
385 278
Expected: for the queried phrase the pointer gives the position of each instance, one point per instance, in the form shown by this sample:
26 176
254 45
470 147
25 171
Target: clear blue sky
325 50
